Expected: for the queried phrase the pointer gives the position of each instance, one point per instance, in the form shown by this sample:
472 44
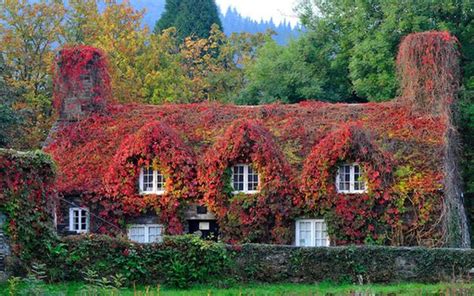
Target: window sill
152 192
246 192
352 192
80 231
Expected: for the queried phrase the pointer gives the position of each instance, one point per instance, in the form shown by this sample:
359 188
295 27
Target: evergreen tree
189 17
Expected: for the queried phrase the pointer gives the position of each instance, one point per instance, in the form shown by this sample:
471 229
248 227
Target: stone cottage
309 174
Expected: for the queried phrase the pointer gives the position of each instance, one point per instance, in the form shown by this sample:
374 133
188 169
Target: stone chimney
81 82
429 71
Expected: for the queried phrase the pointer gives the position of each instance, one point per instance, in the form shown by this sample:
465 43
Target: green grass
263 289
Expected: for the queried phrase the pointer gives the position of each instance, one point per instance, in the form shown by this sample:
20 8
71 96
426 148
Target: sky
263 9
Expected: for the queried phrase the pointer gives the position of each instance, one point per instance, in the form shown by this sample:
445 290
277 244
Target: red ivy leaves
351 216
100 155
71 65
256 217
155 144
428 66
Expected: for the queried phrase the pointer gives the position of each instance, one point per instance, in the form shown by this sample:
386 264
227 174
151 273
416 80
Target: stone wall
361 264
4 249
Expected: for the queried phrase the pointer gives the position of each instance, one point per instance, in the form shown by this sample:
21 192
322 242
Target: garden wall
367 264
186 260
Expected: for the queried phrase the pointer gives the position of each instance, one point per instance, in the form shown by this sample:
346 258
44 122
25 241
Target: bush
179 261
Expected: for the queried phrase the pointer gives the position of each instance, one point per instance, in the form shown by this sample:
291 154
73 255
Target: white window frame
246 179
71 219
155 183
313 232
147 232
352 179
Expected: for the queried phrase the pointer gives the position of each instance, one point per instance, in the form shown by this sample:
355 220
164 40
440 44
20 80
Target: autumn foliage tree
144 67
28 33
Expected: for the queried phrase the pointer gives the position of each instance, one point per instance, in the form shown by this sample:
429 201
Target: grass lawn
263 289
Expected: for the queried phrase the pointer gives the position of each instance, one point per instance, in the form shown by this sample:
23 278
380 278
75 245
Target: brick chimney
81 82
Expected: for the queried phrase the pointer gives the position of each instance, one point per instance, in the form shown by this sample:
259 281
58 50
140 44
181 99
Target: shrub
179 261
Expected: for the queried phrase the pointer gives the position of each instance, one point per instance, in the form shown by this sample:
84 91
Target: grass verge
256 289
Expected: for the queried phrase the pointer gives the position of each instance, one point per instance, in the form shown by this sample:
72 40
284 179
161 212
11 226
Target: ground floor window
311 233
79 220
146 233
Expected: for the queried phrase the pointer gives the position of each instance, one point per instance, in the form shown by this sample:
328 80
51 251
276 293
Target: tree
364 36
215 65
292 73
191 18
116 29
29 32
165 80
9 119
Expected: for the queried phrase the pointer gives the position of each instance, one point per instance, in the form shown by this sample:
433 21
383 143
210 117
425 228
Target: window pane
154 234
359 183
238 177
321 234
160 181
305 234
344 177
137 234
350 178
356 185
79 219
252 183
148 179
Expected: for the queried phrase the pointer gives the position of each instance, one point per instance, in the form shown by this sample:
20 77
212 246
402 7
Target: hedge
183 261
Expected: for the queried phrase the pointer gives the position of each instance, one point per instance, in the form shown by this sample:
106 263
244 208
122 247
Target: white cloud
279 10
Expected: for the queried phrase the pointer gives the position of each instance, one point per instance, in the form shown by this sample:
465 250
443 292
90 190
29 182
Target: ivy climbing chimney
81 82
429 71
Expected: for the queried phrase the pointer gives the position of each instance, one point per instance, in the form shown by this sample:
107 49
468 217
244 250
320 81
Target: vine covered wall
259 217
28 200
295 148
158 146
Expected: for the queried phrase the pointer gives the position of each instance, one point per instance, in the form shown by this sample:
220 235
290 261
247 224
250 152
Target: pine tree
189 17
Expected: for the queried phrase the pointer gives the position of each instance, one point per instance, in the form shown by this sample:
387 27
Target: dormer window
349 179
244 179
151 181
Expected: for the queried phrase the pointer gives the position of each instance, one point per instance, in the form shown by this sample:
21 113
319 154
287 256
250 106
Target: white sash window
151 181
79 220
244 179
349 179
146 233
311 233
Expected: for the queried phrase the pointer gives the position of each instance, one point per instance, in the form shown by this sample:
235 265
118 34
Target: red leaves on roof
278 139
